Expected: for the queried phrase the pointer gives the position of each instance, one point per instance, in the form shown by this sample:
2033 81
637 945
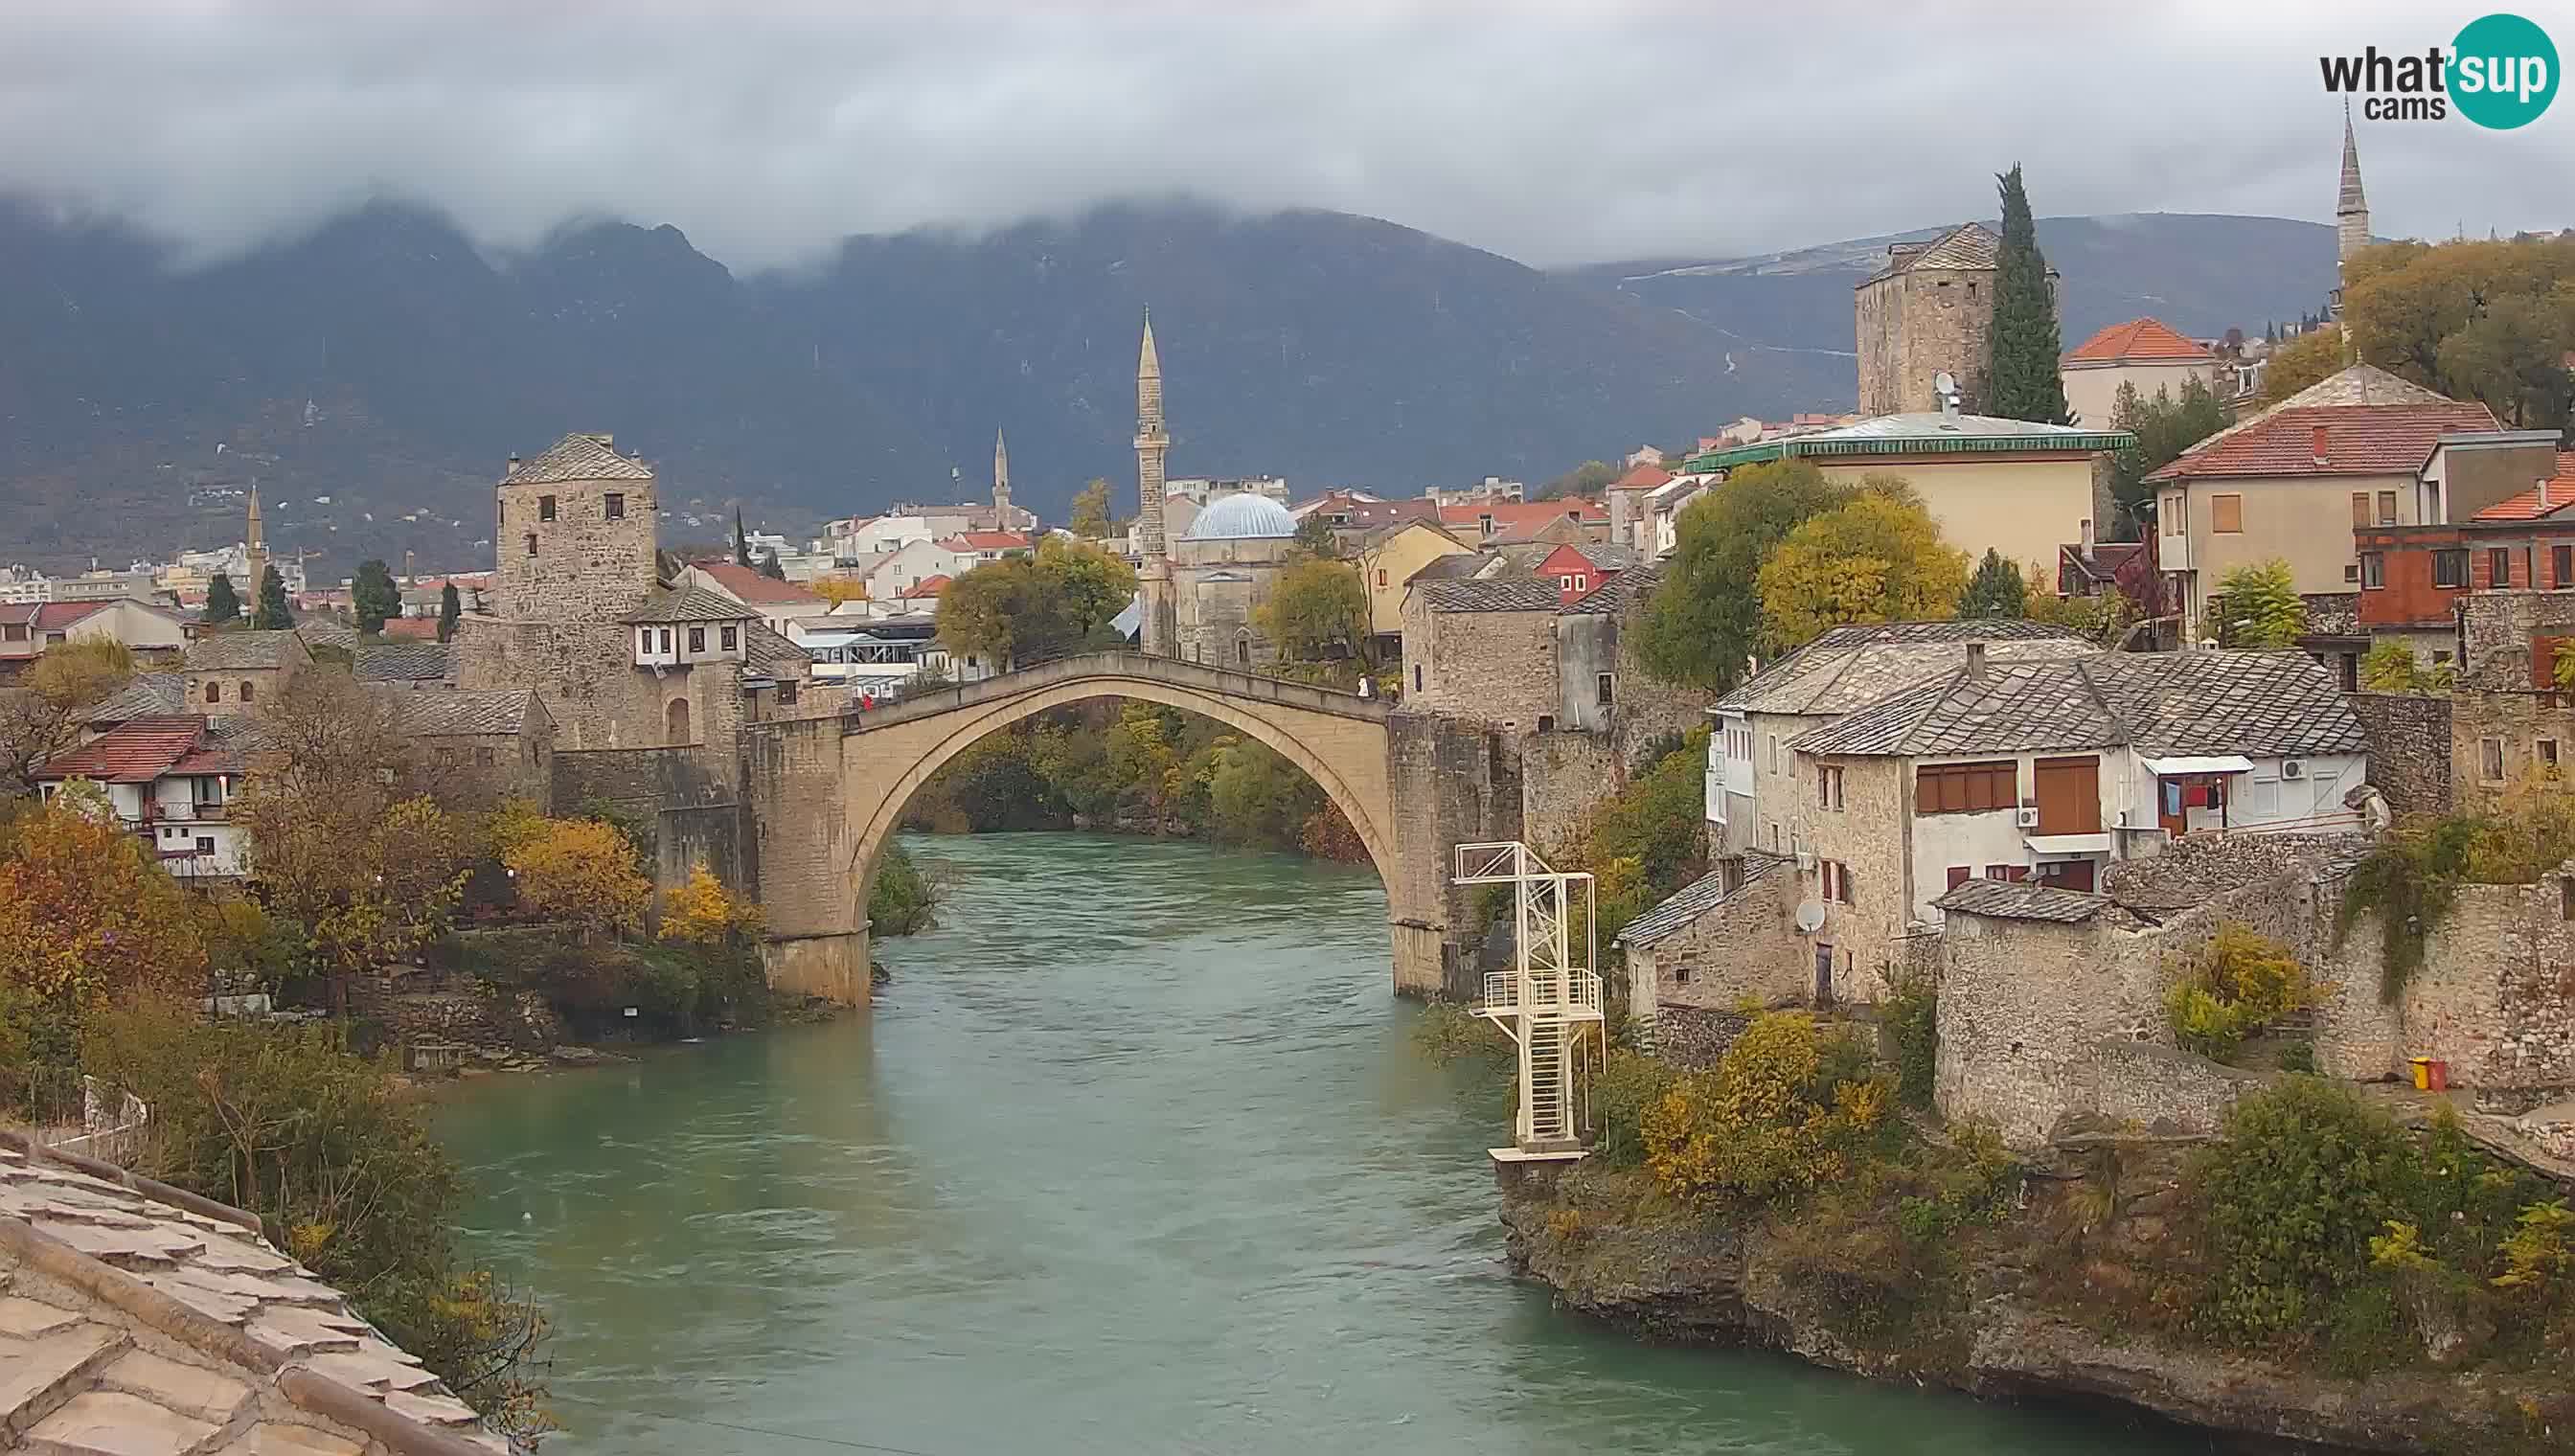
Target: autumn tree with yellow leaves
581 870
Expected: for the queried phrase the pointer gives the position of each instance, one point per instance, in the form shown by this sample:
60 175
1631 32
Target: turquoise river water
1133 1157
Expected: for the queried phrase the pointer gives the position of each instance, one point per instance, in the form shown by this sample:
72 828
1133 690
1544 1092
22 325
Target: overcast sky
1578 131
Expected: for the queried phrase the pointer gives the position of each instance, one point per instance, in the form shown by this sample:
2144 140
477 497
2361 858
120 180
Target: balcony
1575 994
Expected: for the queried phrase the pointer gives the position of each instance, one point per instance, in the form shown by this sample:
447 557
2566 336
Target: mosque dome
1239 516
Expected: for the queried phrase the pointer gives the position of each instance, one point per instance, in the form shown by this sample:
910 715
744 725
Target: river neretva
1133 1156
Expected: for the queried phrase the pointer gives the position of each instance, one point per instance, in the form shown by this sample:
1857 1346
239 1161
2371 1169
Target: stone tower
575 534
1001 483
1160 632
1931 308
254 556
2351 211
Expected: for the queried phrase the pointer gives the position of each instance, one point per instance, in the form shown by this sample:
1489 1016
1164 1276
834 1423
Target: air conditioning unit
2027 819
1805 862
2293 768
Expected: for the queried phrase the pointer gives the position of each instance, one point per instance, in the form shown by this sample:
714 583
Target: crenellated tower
1160 632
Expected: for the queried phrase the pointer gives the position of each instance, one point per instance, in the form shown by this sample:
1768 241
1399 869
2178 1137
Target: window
1828 785
2561 566
1959 874
731 637
1416 676
205 844
1837 882
2351 572
697 639
545 508
1604 688
2450 567
249 691
1774 752
1242 651
1564 584
2373 569
1380 577
616 504
2546 750
1547 722
2012 873
2387 508
1681 972
484 758
1941 789
214 691
2490 759
1581 582
665 638
532 543
786 689
2499 568
2226 515
2360 513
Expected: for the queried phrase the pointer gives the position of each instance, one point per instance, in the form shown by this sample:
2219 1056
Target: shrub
1629 1083
581 870
1449 1033
2536 1256
2238 983
1912 1018
900 900
1778 1115
699 910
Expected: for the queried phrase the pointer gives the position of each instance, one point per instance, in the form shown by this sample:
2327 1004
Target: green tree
994 611
375 595
1587 479
2260 607
770 567
2023 381
1315 535
451 609
1089 583
2309 359
2513 356
1256 797
1315 604
2488 319
222 602
740 541
1878 557
272 614
51 707
1703 621
2392 666
2164 427
1996 589
1091 517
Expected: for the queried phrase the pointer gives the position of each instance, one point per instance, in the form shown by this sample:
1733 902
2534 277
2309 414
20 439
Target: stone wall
1452 783
1868 834
2409 748
638 780
1491 667
584 568
1562 775
716 835
2495 632
584 672
2523 728
1742 948
2163 1088
2495 996
1911 326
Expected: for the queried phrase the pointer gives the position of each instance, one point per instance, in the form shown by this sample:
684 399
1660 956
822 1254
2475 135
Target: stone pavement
140 1321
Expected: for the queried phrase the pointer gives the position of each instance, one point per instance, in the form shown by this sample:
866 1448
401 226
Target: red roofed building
28 628
2281 485
1487 523
170 780
927 590
777 602
2146 353
2412 577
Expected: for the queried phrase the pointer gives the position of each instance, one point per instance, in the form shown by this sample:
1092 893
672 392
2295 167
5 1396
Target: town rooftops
1613 596
577 458
136 750
2022 900
1967 245
745 584
464 712
983 541
1518 517
1643 478
1926 432
1849 668
142 1318
2372 422
1490 594
927 586
2138 341
689 604
1696 900
242 652
402 662
2162 704
146 695
2549 498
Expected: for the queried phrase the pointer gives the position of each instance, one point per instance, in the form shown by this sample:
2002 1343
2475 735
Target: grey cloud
1551 134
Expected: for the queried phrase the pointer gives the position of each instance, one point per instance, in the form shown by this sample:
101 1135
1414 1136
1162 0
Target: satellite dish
1944 383
1810 918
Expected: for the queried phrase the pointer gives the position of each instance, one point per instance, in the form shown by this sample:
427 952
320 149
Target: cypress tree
449 609
741 542
2022 379
1996 589
770 567
374 596
272 614
223 604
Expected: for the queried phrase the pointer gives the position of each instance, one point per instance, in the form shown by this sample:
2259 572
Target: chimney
1975 661
2087 535
2323 444
2543 494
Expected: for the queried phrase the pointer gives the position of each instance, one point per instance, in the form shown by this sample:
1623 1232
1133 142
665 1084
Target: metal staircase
1549 1001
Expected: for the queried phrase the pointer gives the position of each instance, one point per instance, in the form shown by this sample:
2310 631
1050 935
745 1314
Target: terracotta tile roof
2538 501
140 1318
990 540
750 586
56 616
137 751
577 458
1643 478
2138 341
927 587
1516 518
2357 440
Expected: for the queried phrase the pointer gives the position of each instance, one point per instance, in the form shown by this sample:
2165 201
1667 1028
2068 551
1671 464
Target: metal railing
1574 990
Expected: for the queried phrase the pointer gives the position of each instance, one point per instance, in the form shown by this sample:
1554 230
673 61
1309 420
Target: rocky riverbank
2027 1308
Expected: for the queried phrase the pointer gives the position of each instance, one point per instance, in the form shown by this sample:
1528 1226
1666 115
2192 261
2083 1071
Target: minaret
1001 483
254 551
2351 211
1160 629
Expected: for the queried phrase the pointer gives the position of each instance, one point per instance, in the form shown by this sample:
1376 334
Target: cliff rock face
1735 1282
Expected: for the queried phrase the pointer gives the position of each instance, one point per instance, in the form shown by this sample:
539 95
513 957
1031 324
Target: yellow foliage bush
1780 1114
584 872
2238 983
701 911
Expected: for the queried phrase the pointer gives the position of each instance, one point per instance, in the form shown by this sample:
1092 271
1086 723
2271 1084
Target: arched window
678 722
1242 650
214 690
249 690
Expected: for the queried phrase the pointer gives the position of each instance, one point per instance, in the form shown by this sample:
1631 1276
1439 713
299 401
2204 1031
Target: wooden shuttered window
2360 513
1941 789
2226 515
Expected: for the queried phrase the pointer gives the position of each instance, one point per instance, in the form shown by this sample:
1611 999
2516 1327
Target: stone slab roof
2025 900
463 712
690 603
1969 245
140 1321
147 695
774 656
403 662
235 651
1495 594
1848 667
1615 597
2162 704
1695 899
577 458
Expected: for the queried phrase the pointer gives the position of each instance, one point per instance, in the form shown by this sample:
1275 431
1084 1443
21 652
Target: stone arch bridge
826 795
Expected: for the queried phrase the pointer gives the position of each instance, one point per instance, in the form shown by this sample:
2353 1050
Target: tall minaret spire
1001 483
1160 632
254 548
2351 225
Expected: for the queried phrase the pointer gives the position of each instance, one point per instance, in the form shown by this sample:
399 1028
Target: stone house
487 744
171 779
233 671
1929 310
2146 353
1386 560
1224 569
1483 650
2280 485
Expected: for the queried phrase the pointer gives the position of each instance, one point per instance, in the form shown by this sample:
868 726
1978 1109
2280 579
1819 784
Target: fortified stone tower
1160 632
575 534
1931 308
2351 212
1001 483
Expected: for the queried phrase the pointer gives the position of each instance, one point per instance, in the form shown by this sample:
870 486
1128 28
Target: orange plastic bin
2431 1073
